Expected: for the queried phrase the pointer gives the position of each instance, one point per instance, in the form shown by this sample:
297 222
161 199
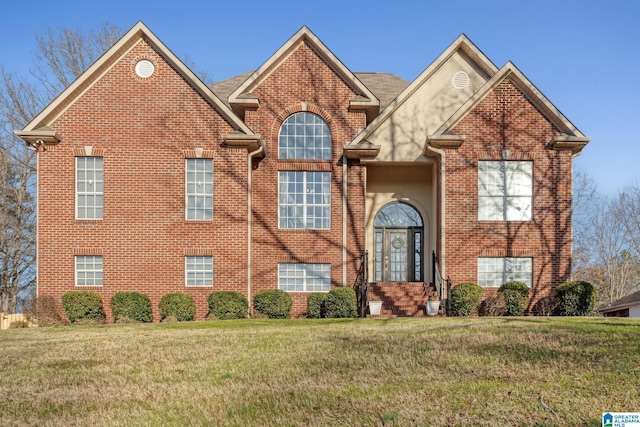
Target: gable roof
461 44
106 61
364 99
511 72
622 303
226 87
385 86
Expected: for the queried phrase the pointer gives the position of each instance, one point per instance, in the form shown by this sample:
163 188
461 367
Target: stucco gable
243 95
35 129
462 50
402 128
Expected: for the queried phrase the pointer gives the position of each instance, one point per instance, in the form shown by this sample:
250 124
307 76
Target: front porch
402 299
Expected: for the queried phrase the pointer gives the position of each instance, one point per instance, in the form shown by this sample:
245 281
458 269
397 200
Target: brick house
284 177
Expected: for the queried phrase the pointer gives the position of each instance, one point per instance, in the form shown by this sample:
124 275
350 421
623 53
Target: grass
397 372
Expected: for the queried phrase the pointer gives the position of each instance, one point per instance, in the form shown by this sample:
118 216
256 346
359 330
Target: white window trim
75 260
206 196
88 193
187 271
305 268
324 152
305 204
506 199
507 276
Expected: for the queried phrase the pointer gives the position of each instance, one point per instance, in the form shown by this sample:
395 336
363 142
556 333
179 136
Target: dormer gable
243 97
569 137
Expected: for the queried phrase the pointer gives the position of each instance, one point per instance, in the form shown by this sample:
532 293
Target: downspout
443 257
437 144
38 225
250 157
344 220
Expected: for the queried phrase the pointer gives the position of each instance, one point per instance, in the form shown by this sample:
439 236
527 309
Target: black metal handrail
437 276
443 286
361 285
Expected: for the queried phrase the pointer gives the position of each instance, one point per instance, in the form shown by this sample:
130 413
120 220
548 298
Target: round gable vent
145 68
460 80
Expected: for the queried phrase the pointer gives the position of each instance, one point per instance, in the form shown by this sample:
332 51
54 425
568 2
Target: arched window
304 136
398 244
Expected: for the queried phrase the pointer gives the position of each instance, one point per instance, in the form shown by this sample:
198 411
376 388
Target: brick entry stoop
401 299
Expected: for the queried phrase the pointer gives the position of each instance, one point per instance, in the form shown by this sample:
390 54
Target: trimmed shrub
228 305
273 303
516 295
576 298
178 306
493 306
465 299
131 306
315 305
341 303
83 307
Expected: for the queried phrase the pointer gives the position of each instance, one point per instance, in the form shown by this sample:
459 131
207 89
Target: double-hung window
494 272
199 192
199 271
88 270
89 187
505 190
304 200
304 277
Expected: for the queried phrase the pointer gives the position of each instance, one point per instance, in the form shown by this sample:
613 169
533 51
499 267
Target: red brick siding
144 128
506 119
302 81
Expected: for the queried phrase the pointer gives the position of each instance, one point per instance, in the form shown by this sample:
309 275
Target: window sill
311 230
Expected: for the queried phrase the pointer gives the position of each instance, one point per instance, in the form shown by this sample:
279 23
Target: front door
395 256
398 244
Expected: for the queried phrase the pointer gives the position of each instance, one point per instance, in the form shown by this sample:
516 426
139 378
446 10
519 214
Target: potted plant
375 306
432 305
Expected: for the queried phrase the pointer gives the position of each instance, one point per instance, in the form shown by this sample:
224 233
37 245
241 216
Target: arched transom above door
399 244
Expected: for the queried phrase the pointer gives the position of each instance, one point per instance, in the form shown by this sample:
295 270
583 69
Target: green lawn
444 371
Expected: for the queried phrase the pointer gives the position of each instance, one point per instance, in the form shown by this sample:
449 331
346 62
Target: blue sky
583 55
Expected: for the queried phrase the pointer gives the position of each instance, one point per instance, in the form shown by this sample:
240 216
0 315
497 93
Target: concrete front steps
402 299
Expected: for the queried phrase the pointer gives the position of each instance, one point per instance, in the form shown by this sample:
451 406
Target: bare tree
606 239
61 57
630 212
18 101
585 196
64 54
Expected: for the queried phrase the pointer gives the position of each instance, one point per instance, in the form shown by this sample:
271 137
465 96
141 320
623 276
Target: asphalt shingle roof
628 300
385 86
